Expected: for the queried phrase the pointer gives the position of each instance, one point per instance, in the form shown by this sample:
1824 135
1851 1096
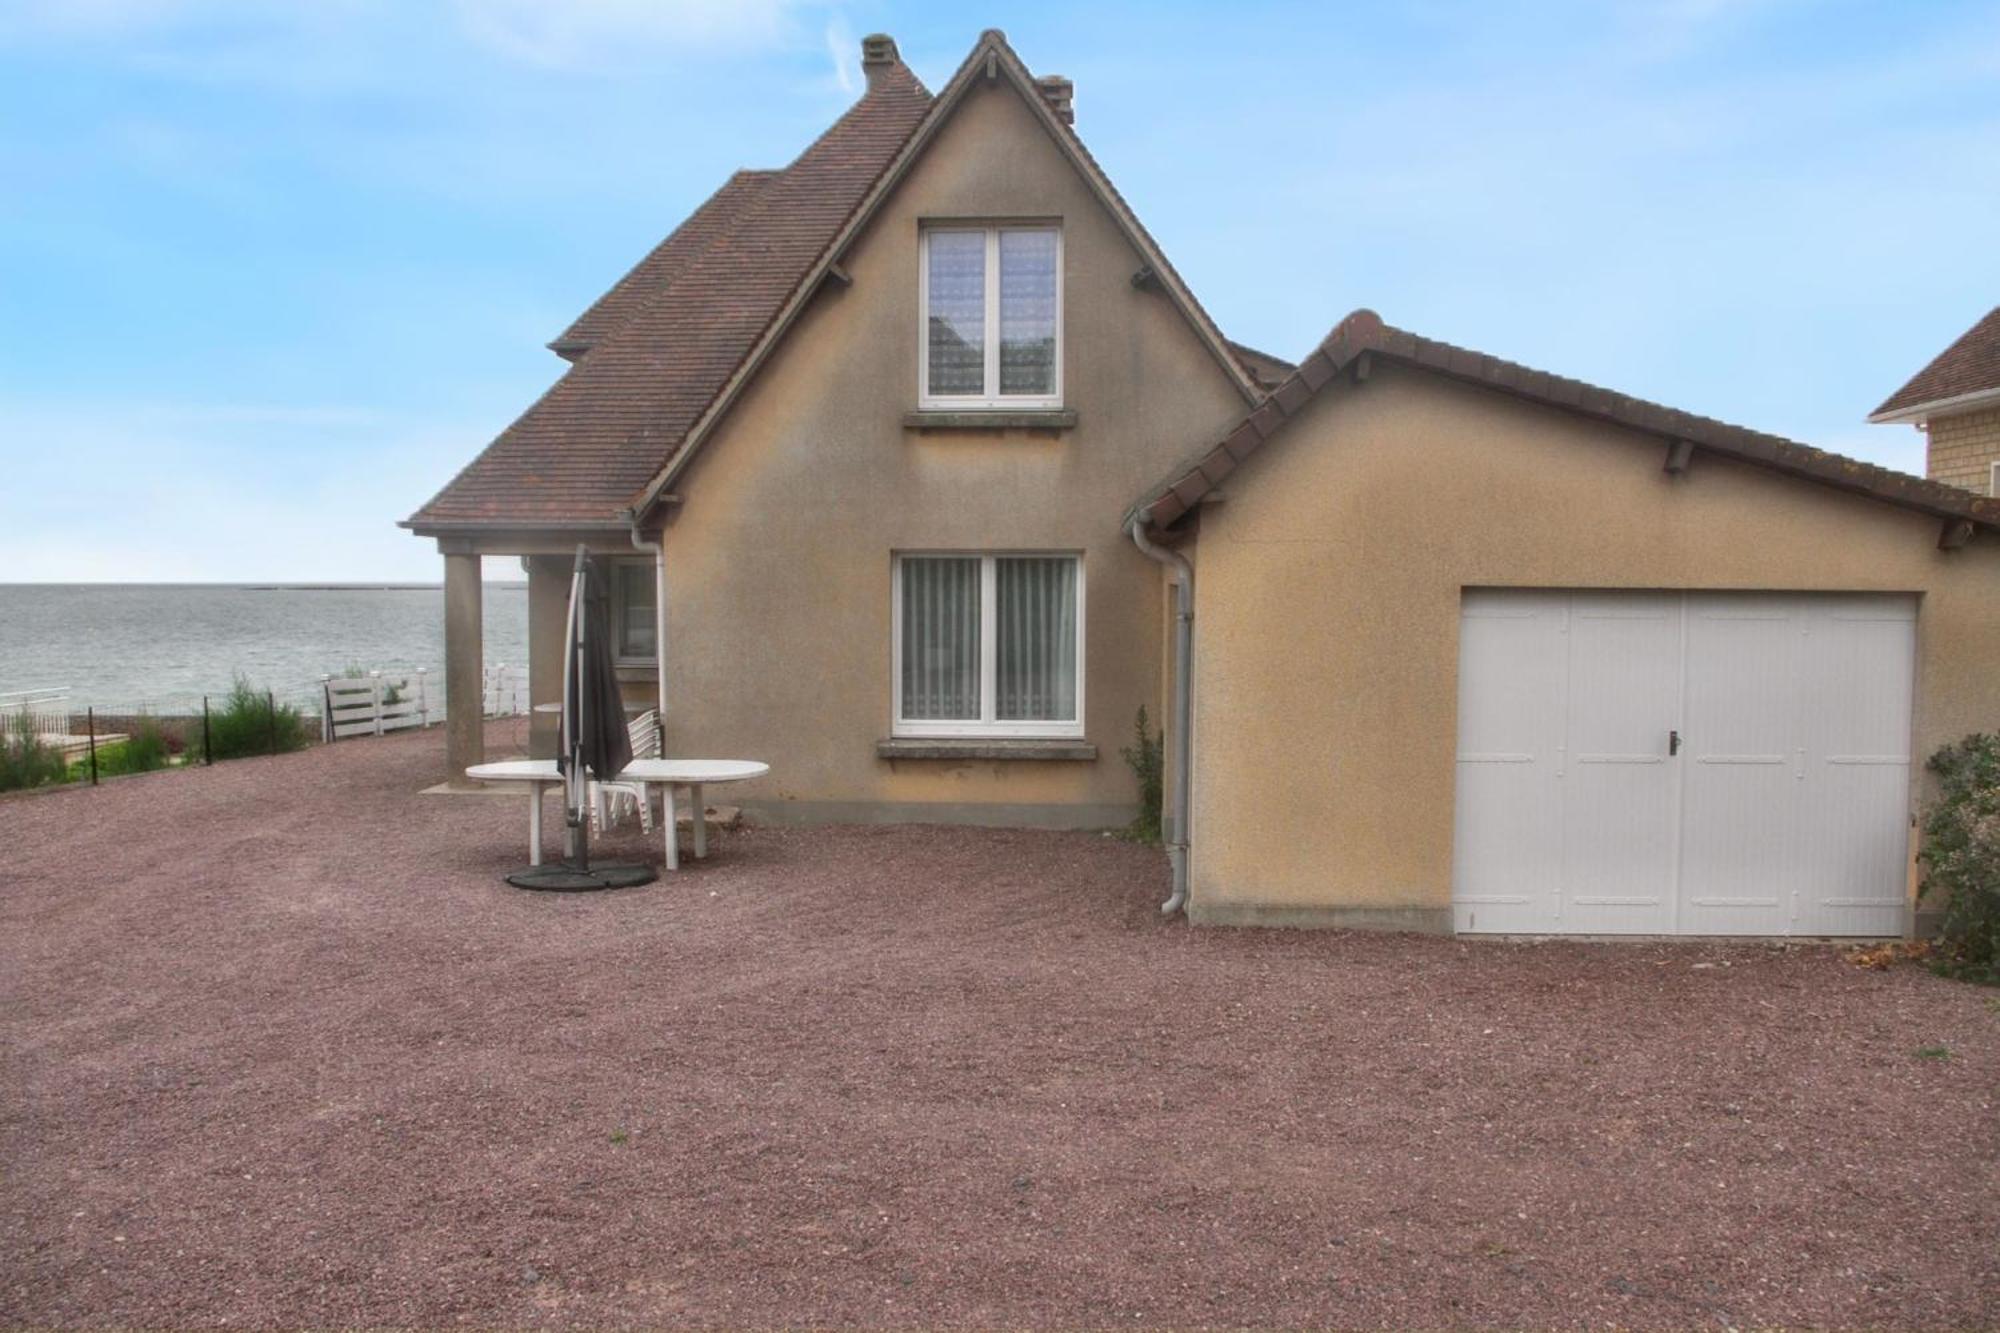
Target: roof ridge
1364 332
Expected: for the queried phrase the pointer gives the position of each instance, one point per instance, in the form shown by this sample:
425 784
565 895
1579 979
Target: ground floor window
635 621
988 645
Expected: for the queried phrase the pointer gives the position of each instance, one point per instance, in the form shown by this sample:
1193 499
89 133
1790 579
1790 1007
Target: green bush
1147 758
145 748
1961 856
24 760
249 723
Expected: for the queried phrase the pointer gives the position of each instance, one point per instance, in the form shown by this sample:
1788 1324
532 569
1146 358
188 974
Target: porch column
464 663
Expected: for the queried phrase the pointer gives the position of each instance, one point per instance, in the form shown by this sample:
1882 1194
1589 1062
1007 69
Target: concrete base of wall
986 815
1421 920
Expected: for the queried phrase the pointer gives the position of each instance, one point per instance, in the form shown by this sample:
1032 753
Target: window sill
983 419
984 747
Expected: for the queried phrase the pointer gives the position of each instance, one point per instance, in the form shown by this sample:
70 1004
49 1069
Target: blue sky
270 272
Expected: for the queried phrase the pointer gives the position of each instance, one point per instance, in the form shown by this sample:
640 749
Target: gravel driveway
279 1047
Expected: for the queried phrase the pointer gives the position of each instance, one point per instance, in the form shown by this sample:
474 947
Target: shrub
249 723
24 760
1961 856
144 749
1147 758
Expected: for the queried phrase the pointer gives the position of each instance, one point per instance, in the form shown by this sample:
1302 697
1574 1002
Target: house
1955 401
928 471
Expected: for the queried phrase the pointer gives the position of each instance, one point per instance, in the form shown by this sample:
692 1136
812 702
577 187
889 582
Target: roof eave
1363 333
459 527
1918 413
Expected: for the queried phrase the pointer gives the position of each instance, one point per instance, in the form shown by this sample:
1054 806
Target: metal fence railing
46 737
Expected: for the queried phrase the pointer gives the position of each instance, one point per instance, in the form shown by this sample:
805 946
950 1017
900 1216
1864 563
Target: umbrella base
565 878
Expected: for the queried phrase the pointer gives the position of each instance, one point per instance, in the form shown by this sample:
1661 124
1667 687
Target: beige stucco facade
779 555
1327 617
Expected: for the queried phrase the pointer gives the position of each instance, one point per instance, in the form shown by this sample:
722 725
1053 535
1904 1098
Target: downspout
659 551
1177 838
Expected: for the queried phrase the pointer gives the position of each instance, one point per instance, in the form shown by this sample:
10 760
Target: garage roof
1363 334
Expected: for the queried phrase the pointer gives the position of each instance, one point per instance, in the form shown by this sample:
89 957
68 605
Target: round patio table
538 774
694 774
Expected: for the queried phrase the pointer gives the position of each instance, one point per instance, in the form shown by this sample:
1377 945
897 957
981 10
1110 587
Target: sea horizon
134 647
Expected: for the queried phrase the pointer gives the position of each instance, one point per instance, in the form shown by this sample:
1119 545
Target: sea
160 647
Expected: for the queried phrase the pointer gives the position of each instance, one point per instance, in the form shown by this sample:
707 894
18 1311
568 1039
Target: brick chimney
1060 94
878 56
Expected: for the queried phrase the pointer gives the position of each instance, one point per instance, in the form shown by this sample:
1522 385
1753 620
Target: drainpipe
1177 839
659 621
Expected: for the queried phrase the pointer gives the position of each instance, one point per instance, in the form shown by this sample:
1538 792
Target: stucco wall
779 561
1962 449
1328 610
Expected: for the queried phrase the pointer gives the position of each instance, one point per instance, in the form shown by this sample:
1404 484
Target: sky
271 272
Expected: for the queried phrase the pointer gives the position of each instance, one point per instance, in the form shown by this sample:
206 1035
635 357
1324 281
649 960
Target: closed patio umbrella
592 740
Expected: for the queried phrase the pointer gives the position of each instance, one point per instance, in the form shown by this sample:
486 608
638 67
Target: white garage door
1683 763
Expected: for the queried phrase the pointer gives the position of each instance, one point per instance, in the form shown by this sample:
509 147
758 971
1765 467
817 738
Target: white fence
377 703
47 711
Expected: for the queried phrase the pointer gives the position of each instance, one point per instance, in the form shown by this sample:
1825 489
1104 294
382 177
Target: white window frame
986 724
995 400
618 655
1993 479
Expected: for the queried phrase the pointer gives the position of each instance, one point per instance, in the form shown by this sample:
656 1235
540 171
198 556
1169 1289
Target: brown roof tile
658 358
1969 366
1364 332
1267 370
665 263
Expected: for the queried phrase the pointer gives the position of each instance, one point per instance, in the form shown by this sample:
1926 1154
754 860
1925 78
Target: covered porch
634 564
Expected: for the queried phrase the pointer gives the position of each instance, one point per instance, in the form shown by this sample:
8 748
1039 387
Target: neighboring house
1955 401
923 425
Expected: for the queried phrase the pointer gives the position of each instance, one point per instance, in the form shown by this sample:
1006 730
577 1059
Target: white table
538 774
694 774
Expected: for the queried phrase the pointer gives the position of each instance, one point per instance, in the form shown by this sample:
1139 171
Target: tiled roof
1969 366
1364 333
665 264
1269 371
657 358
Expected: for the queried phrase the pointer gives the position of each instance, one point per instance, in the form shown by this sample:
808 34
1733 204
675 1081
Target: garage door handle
1673 742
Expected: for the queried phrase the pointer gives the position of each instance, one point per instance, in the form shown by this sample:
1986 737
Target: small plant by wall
1147 759
1961 856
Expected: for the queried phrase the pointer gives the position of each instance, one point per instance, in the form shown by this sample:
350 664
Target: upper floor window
992 299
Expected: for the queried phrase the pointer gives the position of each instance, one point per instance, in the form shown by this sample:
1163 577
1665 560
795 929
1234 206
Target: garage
1683 763
1477 648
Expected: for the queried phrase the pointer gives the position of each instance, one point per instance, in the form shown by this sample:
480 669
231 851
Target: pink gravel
280 1048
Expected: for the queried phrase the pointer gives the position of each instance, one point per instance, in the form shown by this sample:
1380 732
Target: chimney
1060 94
878 56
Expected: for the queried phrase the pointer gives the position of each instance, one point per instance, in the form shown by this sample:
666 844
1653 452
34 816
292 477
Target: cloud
840 47
580 34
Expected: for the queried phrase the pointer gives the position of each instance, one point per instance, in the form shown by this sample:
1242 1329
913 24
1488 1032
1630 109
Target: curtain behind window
957 314
1027 312
940 637
1035 638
